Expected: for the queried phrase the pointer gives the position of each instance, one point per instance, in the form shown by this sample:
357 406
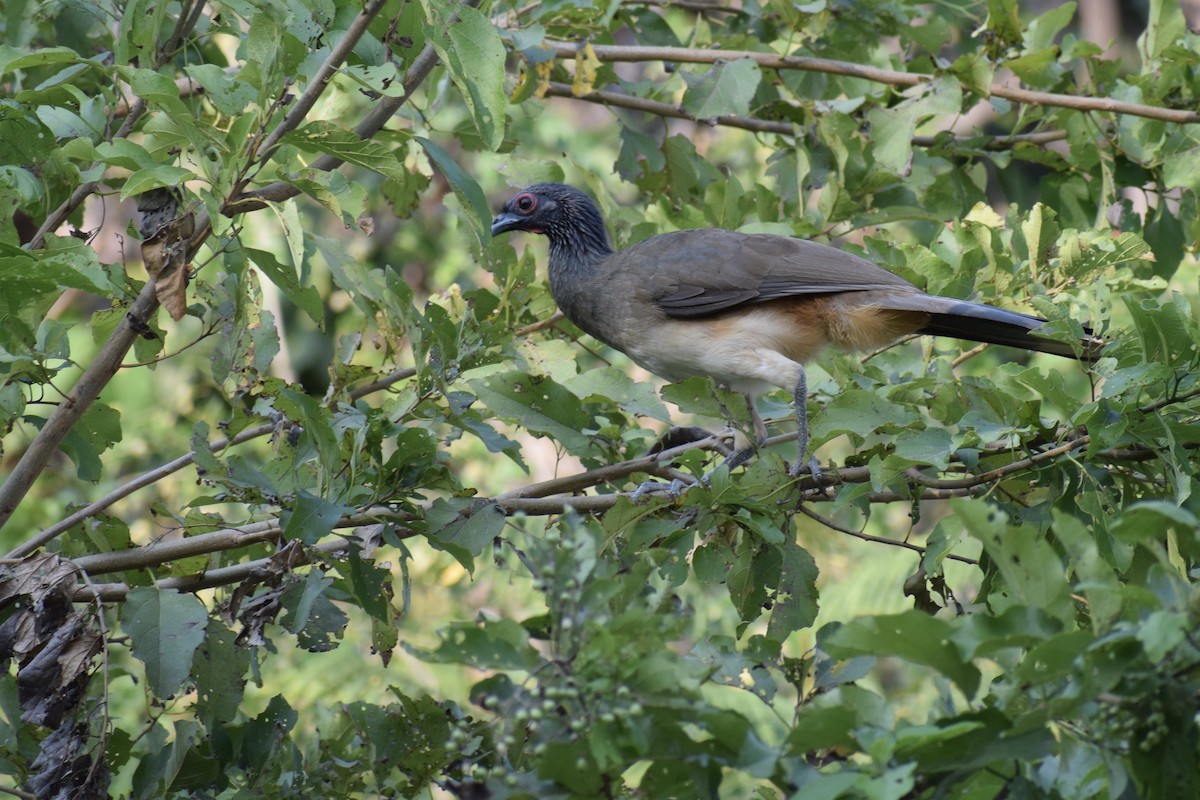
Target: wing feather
702 272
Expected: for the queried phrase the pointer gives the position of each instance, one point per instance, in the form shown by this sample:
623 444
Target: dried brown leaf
165 255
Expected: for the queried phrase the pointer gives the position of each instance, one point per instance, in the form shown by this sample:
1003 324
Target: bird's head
567 216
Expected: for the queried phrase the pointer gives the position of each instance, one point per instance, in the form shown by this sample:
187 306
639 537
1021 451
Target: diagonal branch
320 81
370 125
82 395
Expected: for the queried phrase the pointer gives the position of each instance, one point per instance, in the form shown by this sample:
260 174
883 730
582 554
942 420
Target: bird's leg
800 403
743 454
646 488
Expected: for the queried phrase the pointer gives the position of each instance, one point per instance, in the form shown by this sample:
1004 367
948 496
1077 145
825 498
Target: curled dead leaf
166 257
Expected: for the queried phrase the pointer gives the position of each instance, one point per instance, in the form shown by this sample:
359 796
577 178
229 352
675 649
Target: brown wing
701 272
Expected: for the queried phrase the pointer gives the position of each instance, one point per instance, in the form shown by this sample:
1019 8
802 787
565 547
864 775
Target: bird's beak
505 221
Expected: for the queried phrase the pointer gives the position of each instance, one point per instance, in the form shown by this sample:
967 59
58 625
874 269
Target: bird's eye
525 203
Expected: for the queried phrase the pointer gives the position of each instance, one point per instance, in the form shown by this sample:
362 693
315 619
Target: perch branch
634 103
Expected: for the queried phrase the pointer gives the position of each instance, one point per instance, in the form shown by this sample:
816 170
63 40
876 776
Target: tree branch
635 103
67 413
550 497
221 576
215 541
875 74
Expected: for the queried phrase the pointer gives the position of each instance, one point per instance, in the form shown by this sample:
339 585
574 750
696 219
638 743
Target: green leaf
316 621
318 427
154 178
1165 329
140 26
796 599
219 667
859 413
1042 32
306 298
1149 520
1033 573
464 527
125 153
473 53
1166 239
892 129
725 90
636 397
370 584
1183 170
343 197
488 644
1162 632
1165 27
16 58
538 404
830 719
1093 576
97 430
329 138
27 279
465 188
1036 68
165 627
913 636
310 518
932 446
225 91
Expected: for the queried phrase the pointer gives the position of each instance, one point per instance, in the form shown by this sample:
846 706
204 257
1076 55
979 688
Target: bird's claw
674 489
814 468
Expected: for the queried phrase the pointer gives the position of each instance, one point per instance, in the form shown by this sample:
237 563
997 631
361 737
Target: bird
748 310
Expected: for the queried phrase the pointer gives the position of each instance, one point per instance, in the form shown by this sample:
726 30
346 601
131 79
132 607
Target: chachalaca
746 309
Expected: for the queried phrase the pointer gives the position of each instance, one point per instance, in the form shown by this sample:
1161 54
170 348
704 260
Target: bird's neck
578 250
580 244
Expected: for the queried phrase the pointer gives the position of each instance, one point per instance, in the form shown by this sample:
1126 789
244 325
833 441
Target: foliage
310 542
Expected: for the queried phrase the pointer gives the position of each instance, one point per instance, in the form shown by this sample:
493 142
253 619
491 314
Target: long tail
979 323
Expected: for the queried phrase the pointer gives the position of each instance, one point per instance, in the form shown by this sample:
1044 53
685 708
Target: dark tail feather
980 323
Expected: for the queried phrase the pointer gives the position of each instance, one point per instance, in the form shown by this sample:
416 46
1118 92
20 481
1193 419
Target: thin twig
699 6
557 316
967 355
866 537
161 358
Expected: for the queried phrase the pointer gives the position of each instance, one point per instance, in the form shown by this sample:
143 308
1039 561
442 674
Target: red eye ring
525 203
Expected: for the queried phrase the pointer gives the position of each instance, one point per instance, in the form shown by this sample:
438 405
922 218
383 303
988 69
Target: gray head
568 217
